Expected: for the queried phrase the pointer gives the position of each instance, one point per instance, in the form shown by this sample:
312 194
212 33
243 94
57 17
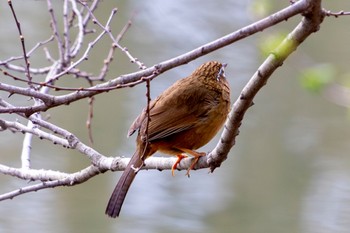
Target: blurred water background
288 172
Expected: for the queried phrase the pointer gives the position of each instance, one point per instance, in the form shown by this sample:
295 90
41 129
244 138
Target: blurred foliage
345 79
315 78
270 42
261 8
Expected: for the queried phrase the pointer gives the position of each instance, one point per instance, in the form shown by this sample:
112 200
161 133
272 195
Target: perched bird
185 117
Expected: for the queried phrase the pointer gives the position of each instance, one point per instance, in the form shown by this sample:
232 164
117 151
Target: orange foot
179 158
196 156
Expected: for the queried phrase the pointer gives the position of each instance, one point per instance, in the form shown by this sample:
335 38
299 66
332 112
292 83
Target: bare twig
55 29
109 58
79 38
123 49
124 30
27 141
61 180
92 8
89 119
32 130
39 44
27 64
66 35
336 14
86 53
148 97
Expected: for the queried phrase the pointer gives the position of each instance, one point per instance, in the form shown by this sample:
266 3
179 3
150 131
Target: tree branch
159 68
312 18
309 24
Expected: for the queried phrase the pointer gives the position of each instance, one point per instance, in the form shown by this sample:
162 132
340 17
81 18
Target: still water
289 170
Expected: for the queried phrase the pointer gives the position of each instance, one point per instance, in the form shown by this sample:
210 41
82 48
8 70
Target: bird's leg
179 158
196 156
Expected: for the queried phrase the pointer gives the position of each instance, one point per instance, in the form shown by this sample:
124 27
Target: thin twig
123 49
30 130
60 88
55 30
86 53
92 8
39 44
148 119
27 64
109 58
336 14
78 43
89 119
66 35
125 29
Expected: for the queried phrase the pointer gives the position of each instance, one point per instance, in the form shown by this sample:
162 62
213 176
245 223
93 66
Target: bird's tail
121 189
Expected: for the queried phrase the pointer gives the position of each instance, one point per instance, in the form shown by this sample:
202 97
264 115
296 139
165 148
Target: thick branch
309 24
61 179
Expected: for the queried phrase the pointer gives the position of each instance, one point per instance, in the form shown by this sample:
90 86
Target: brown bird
182 119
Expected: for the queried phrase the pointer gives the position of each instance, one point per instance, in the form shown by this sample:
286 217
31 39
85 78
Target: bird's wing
169 116
140 119
165 122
